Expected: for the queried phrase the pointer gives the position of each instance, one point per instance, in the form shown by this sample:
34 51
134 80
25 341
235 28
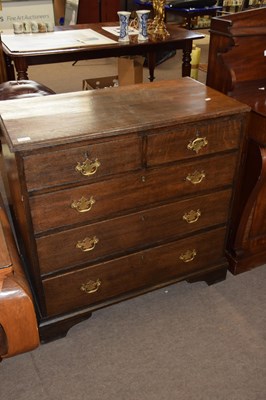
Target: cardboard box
130 70
100 83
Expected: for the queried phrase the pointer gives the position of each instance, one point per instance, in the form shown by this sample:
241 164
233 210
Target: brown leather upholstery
18 323
23 89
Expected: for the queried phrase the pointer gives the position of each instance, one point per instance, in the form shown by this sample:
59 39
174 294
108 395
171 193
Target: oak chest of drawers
120 191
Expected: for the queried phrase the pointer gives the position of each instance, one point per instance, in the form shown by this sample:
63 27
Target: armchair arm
18 323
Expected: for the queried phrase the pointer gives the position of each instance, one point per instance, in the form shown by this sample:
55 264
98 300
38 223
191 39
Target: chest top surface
72 117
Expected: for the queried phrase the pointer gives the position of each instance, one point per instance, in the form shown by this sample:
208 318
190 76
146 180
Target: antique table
179 39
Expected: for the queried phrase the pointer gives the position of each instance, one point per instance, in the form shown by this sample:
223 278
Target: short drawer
130 193
193 140
127 234
145 269
82 164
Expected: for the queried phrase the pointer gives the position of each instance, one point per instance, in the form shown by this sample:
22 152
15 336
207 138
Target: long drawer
91 285
82 164
131 192
127 234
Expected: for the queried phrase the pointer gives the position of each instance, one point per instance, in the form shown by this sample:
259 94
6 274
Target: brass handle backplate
197 144
88 167
83 204
196 177
192 216
87 244
91 286
188 256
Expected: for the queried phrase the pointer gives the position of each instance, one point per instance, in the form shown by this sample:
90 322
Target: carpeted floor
185 342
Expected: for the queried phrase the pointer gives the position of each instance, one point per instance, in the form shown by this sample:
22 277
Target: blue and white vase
143 16
123 21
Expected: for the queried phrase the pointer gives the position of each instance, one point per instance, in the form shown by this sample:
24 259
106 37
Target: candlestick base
160 32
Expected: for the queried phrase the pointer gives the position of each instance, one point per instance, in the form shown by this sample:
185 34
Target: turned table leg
186 66
151 57
21 66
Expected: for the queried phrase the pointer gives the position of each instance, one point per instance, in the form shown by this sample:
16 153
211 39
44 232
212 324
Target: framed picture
25 11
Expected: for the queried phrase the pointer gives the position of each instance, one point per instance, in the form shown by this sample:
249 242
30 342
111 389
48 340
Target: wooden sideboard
237 67
120 191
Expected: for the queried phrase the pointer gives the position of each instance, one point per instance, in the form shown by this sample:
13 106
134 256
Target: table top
177 35
62 119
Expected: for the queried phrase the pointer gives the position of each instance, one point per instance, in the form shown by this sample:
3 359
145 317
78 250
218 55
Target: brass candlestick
159 28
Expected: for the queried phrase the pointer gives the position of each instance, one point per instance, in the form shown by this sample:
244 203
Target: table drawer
130 193
82 164
94 284
127 234
193 140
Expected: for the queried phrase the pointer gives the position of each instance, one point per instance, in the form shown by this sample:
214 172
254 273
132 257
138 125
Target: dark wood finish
88 12
3 73
58 327
237 67
218 274
141 191
132 272
236 39
179 39
109 10
136 230
97 11
107 194
3 342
